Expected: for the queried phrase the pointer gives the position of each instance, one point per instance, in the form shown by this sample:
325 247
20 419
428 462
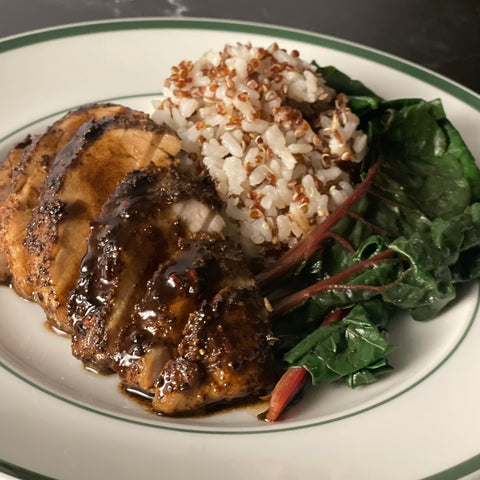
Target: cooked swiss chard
408 234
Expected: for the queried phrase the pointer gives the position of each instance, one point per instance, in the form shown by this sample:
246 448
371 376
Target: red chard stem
341 240
310 242
287 387
330 283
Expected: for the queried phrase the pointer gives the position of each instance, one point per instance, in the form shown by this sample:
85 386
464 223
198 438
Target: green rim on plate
383 58
469 97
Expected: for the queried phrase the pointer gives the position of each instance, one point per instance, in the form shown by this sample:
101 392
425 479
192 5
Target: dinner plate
59 421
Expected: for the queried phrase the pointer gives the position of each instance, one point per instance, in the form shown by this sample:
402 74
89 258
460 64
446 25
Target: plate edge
198 23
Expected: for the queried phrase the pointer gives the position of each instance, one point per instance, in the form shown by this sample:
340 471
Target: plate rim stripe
77 29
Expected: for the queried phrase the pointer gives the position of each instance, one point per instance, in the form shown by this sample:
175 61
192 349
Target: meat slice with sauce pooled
79 180
166 302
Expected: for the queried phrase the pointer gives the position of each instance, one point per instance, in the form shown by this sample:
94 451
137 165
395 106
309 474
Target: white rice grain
239 113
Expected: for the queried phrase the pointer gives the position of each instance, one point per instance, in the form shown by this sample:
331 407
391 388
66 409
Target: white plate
59 421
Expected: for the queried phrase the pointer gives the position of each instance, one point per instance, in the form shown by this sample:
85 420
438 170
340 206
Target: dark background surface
442 35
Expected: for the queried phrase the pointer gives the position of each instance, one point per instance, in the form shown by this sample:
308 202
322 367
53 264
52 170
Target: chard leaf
422 206
458 149
367 375
291 327
421 170
467 267
343 84
360 105
344 347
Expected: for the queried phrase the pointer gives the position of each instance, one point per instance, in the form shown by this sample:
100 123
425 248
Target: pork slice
9 164
136 230
222 350
172 295
21 180
79 181
194 333
200 337
7 168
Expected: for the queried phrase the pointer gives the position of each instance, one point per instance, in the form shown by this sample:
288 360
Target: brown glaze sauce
53 329
254 405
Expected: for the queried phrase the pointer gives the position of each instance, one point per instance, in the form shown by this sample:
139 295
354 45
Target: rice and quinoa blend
269 132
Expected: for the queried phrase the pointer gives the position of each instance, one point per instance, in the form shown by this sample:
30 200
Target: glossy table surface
442 35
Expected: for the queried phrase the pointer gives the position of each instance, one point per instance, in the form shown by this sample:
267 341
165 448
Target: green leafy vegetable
344 84
368 374
344 347
404 242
